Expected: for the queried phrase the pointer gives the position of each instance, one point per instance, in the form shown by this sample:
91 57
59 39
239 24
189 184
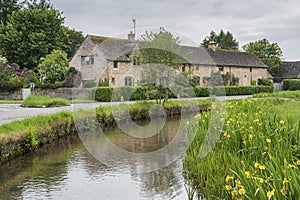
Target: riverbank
20 137
257 155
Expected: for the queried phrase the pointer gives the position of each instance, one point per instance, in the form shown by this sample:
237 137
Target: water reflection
65 170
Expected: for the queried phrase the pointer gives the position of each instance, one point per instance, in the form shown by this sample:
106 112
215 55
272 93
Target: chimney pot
212 46
131 36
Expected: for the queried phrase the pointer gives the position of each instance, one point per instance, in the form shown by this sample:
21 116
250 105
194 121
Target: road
11 112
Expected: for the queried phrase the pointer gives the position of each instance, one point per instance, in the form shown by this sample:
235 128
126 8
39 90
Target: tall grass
256 157
43 101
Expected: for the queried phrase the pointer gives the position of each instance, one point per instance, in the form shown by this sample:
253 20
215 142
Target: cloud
248 20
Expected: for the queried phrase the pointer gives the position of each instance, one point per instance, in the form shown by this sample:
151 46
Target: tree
31 34
159 57
53 67
7 7
224 41
72 40
269 53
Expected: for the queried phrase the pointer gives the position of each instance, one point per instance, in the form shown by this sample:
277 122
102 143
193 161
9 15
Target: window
128 81
87 60
221 68
197 67
250 69
190 67
115 65
183 68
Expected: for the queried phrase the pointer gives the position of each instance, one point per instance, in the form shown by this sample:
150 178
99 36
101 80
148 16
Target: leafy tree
53 67
31 34
7 7
72 40
269 53
224 40
159 56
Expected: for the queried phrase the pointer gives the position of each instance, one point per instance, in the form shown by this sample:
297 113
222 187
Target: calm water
66 170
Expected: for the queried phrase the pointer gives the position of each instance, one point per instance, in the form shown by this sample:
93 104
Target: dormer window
87 60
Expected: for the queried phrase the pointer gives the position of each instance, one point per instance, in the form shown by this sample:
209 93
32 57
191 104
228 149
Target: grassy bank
19 137
282 94
256 157
42 101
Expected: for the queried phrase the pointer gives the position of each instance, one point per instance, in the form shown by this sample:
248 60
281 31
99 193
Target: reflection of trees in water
43 170
165 182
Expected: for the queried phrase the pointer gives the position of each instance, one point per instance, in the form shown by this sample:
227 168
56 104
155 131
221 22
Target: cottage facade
115 60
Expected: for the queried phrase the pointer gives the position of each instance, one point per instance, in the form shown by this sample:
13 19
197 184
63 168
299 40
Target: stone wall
66 93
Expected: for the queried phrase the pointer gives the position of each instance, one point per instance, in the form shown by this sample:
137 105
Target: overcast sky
192 20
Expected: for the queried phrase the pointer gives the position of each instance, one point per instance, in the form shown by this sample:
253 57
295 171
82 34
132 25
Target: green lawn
289 109
42 101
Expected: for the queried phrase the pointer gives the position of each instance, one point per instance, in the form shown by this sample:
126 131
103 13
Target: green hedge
107 94
291 84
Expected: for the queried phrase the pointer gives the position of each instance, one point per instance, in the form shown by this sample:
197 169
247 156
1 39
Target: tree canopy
224 40
34 31
269 53
158 53
53 67
7 7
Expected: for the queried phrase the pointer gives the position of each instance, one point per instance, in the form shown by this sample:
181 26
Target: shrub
73 78
103 83
265 81
291 84
12 77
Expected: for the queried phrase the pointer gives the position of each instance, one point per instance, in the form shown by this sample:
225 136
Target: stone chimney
212 46
131 36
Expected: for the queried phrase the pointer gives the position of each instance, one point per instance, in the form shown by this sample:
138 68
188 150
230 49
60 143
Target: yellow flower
238 184
281 122
228 178
250 137
256 165
234 193
268 141
298 162
251 128
285 181
242 191
262 167
270 193
247 173
227 187
292 166
256 120
283 191
261 181
187 123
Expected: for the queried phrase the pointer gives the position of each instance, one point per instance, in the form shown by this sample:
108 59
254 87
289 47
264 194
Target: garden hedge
291 84
107 94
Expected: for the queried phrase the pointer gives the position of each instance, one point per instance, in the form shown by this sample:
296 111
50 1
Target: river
67 170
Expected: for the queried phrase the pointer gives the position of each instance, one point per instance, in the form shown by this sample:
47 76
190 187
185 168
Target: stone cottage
288 70
115 60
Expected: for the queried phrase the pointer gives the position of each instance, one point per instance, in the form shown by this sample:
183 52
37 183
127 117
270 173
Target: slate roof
114 49
120 49
235 58
289 70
